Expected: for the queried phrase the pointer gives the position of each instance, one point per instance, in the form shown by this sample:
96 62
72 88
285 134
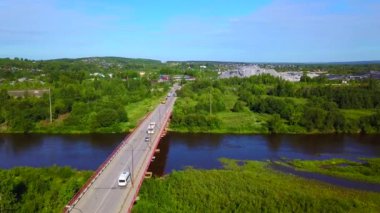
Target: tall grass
368 170
251 187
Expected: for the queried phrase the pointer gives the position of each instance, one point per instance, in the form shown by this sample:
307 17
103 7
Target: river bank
259 123
363 169
248 186
238 186
136 112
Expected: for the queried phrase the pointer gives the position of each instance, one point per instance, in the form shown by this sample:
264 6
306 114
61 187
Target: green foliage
305 107
88 95
250 187
349 68
196 121
107 117
275 124
368 169
25 189
239 106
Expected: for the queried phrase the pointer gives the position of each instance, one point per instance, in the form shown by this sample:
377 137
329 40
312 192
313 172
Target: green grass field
355 114
242 122
299 101
137 111
251 187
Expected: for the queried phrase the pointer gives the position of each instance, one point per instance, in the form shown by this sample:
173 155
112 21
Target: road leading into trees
102 193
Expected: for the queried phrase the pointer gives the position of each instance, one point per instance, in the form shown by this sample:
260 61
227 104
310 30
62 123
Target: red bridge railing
156 142
100 169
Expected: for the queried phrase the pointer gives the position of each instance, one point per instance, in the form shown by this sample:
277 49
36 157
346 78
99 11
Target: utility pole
159 114
210 103
128 81
133 173
51 117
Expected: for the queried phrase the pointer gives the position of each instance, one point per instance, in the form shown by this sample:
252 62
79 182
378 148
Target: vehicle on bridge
152 125
122 161
124 178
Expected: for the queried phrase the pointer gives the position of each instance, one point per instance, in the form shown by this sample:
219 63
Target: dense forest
264 103
24 189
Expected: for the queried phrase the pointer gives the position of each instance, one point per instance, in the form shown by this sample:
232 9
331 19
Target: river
39 150
178 150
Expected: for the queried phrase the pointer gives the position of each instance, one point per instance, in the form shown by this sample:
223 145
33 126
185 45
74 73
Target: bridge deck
102 193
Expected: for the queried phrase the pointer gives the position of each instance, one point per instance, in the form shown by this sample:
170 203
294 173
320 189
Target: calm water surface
180 150
38 150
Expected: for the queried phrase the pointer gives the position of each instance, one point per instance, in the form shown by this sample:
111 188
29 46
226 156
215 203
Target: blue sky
251 31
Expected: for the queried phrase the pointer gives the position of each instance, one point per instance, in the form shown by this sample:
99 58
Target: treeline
305 106
364 94
317 114
330 68
24 189
87 105
82 100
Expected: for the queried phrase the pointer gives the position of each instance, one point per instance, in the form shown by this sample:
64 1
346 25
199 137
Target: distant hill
281 63
356 62
75 64
210 62
110 59
125 61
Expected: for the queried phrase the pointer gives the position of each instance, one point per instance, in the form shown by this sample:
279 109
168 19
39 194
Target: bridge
101 192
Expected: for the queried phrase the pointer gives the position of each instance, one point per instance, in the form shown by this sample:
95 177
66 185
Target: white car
152 125
124 178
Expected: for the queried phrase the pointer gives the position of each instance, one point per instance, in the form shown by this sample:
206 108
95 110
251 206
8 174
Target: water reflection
315 145
159 164
203 140
17 143
274 142
204 150
38 150
179 150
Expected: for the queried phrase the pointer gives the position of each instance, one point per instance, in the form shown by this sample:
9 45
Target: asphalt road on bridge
104 195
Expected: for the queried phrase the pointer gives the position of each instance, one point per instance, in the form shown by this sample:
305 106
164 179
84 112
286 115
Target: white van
124 178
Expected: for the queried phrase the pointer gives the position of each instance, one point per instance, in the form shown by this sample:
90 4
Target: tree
3 97
107 117
305 77
314 117
275 124
239 106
